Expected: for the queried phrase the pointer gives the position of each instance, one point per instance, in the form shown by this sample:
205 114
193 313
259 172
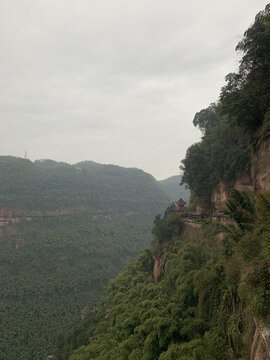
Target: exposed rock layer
259 179
222 193
260 167
260 349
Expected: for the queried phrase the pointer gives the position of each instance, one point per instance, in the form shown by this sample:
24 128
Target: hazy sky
114 81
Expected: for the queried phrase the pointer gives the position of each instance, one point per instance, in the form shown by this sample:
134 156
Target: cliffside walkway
223 219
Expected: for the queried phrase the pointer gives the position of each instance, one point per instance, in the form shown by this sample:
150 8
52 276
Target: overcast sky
114 81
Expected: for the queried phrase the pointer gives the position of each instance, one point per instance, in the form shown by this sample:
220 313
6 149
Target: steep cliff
257 180
221 194
260 166
260 349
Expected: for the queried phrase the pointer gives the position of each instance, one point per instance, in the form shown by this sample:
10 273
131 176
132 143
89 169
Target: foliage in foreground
201 307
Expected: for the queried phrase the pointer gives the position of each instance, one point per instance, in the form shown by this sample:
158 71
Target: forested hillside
212 283
69 230
49 185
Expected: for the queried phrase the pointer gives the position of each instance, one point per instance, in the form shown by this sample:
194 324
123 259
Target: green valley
68 230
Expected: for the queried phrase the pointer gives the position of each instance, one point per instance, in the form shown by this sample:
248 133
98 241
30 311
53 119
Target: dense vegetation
222 154
49 185
233 126
214 281
173 189
50 269
88 220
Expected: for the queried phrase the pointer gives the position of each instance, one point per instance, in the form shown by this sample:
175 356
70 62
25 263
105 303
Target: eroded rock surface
260 349
222 193
260 167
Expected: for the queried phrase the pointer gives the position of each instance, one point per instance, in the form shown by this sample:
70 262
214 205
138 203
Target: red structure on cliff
180 206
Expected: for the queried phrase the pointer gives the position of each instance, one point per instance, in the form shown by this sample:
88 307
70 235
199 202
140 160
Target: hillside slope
210 288
67 229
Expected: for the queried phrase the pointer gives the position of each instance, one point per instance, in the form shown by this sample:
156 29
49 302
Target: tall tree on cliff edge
221 155
246 96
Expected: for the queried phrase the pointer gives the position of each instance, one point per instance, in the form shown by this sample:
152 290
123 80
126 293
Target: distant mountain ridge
50 185
172 188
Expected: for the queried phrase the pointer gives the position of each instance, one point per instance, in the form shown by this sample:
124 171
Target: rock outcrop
259 179
159 265
260 166
222 193
260 349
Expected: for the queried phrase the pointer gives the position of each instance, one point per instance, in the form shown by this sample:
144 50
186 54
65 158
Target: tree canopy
206 118
222 154
246 96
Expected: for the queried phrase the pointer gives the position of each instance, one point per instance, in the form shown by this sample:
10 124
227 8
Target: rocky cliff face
260 349
219 197
259 179
222 193
260 166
